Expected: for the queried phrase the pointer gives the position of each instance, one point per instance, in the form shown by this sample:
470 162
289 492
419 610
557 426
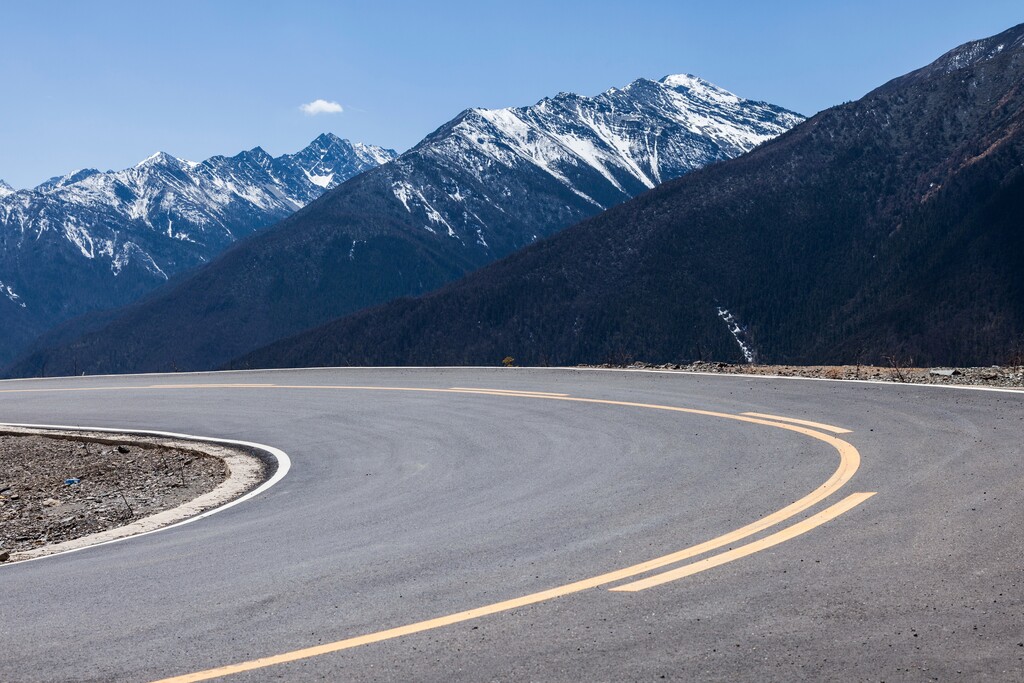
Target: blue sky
105 84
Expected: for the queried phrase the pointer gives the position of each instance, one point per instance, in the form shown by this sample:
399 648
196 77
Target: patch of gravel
994 376
55 488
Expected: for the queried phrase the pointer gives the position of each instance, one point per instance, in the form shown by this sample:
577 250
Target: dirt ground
54 489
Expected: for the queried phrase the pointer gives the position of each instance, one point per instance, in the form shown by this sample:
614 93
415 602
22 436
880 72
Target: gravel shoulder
993 376
66 490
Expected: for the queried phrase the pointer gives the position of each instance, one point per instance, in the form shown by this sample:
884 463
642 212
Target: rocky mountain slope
90 240
481 186
887 230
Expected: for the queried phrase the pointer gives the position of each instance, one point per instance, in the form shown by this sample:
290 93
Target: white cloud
321 107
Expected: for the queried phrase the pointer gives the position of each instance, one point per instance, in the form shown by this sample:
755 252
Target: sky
104 84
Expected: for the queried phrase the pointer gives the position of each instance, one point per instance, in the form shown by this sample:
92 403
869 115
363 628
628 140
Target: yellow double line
849 462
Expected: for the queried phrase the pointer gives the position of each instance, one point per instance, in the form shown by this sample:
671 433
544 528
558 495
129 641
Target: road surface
536 524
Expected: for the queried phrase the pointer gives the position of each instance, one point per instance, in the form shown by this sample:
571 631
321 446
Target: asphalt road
404 506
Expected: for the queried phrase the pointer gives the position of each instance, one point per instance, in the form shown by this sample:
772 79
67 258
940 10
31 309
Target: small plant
860 360
131 512
508 362
897 371
1016 358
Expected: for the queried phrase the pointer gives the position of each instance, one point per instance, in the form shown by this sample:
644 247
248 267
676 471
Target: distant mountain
891 228
90 240
481 186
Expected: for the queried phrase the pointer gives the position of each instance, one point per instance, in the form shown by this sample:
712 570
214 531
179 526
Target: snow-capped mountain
207 204
882 228
587 153
481 186
90 240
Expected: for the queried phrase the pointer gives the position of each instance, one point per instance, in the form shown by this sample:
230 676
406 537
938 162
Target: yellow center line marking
797 529
807 423
828 514
208 386
509 391
67 389
849 463
137 388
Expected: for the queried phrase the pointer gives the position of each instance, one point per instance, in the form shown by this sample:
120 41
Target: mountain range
485 184
887 230
92 240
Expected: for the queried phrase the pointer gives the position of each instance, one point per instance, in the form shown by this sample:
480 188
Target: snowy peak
329 160
208 198
256 155
91 239
58 182
497 179
372 154
160 216
644 133
699 89
162 159
328 152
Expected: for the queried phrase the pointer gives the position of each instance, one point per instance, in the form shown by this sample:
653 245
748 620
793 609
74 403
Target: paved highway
528 524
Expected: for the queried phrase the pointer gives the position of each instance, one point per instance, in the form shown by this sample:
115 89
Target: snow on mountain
11 294
164 198
90 239
979 51
968 56
797 246
478 188
600 150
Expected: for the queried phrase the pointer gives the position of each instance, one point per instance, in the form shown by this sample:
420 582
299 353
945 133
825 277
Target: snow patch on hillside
9 292
323 181
738 333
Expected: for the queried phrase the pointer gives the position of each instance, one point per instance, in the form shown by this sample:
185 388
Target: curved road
528 524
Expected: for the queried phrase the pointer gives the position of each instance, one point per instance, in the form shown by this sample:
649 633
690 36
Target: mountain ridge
479 187
89 240
886 229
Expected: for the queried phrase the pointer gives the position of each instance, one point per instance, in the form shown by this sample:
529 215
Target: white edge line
284 464
734 375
